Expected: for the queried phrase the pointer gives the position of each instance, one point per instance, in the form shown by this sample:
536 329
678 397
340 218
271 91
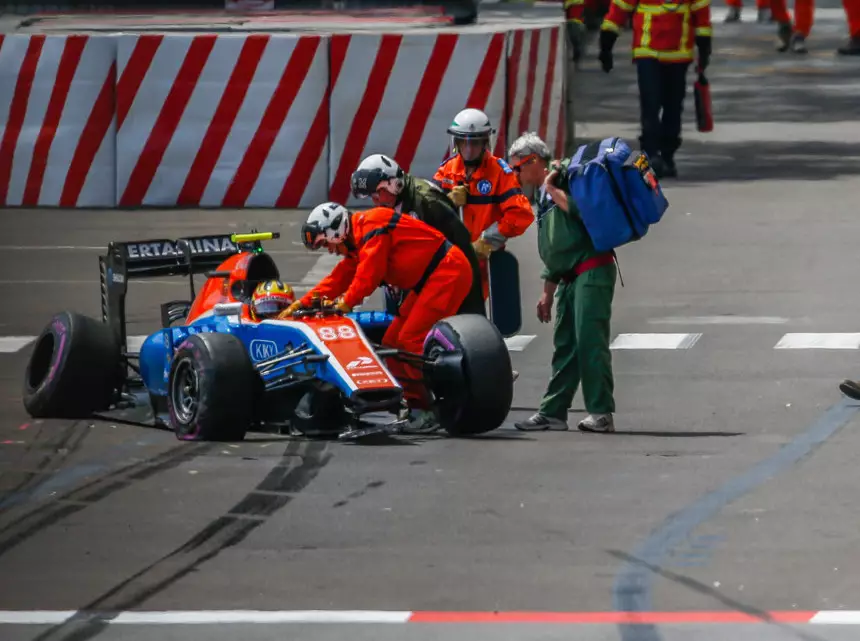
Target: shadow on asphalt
757 160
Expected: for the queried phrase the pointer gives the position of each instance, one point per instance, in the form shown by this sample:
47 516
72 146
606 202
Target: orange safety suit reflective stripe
496 208
573 10
406 253
663 30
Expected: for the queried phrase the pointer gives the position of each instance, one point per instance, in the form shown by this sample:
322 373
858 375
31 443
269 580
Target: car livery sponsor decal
349 348
262 350
171 249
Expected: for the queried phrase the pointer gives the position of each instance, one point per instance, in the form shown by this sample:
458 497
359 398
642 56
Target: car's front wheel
212 389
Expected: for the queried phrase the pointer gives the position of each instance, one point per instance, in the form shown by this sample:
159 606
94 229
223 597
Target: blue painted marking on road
632 589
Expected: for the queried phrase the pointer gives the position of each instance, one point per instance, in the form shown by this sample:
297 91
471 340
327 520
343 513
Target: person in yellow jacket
664 35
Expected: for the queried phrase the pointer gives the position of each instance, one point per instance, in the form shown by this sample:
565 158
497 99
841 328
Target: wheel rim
185 391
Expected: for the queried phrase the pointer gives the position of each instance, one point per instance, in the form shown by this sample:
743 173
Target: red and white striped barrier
56 106
254 120
221 120
397 94
535 87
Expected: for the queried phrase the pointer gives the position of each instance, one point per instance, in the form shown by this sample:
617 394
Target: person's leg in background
764 13
650 99
735 8
779 11
804 15
673 84
852 13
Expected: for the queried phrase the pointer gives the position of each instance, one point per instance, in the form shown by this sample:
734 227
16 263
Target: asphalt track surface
729 488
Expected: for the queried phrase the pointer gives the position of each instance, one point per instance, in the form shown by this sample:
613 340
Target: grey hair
530 143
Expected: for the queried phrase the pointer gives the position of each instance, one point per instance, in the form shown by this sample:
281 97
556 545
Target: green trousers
581 345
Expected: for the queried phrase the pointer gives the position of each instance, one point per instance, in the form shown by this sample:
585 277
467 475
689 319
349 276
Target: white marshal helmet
471 124
376 170
327 223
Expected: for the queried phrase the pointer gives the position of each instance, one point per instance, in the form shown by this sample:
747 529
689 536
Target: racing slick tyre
470 374
212 389
74 368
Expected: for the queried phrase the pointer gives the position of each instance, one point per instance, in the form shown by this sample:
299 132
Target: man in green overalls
583 281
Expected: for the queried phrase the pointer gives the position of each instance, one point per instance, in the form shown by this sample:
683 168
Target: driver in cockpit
270 298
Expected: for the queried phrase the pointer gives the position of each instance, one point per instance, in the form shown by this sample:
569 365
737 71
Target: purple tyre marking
440 337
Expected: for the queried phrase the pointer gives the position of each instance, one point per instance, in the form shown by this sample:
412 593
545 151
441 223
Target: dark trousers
662 86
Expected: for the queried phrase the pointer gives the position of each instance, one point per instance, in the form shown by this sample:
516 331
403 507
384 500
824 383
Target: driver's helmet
471 125
327 223
374 172
270 298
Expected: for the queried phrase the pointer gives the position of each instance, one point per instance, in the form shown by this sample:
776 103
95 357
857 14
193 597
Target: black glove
703 44
607 41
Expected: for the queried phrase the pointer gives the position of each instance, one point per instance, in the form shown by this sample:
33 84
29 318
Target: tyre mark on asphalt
20 530
273 493
634 583
70 441
373 485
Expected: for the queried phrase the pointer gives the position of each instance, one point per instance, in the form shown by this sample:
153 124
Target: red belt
588 264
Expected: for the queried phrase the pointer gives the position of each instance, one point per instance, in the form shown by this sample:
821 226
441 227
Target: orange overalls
852 12
410 254
496 207
804 13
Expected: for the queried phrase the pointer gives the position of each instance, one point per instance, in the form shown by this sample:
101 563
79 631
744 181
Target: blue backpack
616 192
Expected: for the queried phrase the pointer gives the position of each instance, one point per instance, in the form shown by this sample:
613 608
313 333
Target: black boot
851 48
783 36
668 147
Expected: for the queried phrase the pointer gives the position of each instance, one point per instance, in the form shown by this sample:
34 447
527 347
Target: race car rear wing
163 257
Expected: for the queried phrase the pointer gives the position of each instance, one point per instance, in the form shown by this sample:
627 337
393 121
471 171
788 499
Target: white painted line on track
193 617
519 342
11 344
837 617
719 320
718 14
655 341
819 341
321 269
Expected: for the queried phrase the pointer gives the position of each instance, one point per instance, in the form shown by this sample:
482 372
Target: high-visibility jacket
496 208
663 30
389 247
573 10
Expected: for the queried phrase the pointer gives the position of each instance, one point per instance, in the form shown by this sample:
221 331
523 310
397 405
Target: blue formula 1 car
212 372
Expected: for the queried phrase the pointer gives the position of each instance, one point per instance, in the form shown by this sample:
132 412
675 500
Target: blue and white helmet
327 223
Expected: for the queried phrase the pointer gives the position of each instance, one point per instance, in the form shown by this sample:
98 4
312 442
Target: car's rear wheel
74 369
212 389
470 374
